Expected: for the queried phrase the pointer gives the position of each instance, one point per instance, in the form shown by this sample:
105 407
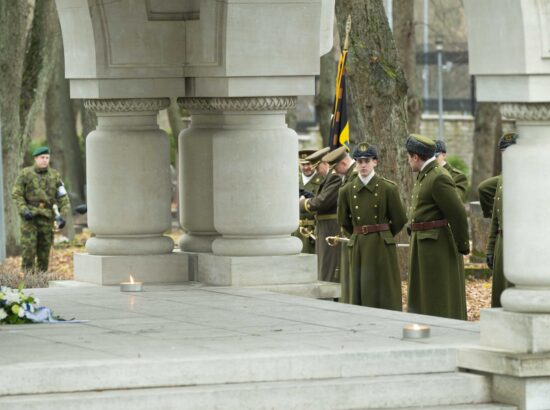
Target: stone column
523 324
255 178
128 179
195 175
526 173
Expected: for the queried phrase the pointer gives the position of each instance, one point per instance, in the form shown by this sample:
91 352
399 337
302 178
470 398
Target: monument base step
111 270
380 392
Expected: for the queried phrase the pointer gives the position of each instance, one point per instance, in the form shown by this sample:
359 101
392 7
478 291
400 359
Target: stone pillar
128 178
526 174
128 196
195 175
255 178
239 173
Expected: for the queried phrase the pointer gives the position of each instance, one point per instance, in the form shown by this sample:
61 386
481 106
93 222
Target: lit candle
416 331
131 286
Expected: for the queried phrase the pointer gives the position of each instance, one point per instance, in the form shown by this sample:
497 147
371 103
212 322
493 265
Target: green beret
40 150
421 145
364 150
303 154
336 156
316 156
507 139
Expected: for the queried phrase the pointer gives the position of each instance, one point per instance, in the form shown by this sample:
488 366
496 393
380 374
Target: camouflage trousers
36 242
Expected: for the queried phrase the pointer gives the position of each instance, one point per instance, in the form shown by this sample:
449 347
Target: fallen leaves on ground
478 296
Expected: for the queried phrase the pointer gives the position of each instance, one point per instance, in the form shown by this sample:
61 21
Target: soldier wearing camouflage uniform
37 189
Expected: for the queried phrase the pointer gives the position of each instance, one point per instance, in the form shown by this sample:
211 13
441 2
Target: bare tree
377 88
27 44
487 131
61 131
404 34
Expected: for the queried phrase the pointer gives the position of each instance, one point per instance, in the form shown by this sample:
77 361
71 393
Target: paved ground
195 321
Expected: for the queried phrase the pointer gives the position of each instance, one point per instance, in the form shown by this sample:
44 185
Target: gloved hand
27 215
490 261
81 209
60 221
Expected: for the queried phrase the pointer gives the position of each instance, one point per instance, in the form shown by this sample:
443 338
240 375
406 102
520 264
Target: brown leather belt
423 226
365 229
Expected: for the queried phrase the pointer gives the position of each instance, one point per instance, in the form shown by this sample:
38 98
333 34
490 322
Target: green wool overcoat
344 271
494 247
460 180
375 280
307 219
324 206
436 277
487 189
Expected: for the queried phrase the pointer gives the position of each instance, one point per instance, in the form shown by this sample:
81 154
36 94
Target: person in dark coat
495 244
439 236
460 180
371 212
309 183
344 166
323 205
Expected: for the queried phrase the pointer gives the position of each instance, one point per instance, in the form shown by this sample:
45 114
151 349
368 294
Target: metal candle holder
416 331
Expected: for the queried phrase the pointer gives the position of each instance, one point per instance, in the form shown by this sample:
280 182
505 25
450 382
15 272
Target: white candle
416 331
131 286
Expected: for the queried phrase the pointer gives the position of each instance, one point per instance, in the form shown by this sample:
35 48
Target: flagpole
348 30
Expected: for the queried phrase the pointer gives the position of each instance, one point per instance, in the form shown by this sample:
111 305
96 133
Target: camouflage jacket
38 190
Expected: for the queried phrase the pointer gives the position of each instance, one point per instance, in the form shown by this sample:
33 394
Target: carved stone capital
526 111
127 105
238 103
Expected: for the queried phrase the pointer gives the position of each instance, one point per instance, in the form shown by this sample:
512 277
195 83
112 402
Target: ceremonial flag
339 127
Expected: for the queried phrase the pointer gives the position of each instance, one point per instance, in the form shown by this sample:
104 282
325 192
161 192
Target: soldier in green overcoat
37 189
460 180
487 190
439 235
371 212
495 245
344 166
309 182
323 206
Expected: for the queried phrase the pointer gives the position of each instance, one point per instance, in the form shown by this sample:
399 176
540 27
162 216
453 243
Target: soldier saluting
37 189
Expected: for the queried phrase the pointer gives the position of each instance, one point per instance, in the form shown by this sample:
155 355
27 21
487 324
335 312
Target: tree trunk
487 131
14 17
26 66
404 34
377 88
324 101
61 133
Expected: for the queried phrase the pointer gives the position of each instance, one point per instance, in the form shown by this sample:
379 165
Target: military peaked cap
507 139
421 145
336 155
303 154
440 147
40 150
365 150
316 157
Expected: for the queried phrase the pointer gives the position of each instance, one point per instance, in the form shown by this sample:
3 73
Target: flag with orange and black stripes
339 127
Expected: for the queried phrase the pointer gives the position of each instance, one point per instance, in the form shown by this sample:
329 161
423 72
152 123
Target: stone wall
458 134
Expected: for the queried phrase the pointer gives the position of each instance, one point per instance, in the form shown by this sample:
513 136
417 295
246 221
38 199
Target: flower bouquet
18 308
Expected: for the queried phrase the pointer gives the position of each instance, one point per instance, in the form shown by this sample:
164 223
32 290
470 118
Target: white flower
36 301
21 313
12 297
3 314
